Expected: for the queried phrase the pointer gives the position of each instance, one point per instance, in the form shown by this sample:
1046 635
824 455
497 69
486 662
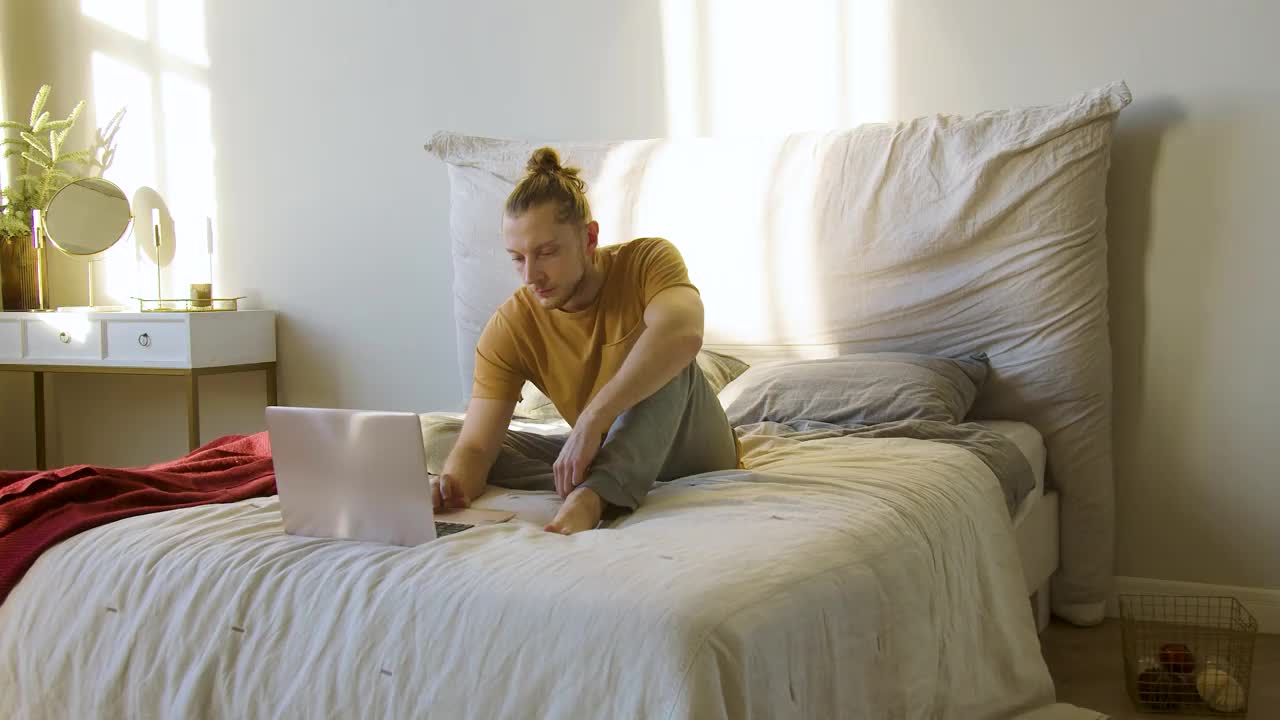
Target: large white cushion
943 235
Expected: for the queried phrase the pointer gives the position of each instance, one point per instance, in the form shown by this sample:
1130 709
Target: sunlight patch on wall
118 84
127 16
867 50
753 69
159 71
681 63
769 69
181 30
189 160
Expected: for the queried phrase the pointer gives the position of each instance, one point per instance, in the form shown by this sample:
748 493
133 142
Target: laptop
359 475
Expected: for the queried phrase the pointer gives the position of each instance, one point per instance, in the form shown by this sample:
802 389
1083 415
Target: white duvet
837 578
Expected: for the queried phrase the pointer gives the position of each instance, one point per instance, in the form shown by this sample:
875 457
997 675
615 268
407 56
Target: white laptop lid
351 474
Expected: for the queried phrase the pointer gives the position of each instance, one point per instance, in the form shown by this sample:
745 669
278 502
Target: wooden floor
1087 668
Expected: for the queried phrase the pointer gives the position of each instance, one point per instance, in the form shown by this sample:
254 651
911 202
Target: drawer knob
64 338
144 340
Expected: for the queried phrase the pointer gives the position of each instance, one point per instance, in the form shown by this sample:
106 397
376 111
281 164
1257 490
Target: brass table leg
39 386
193 410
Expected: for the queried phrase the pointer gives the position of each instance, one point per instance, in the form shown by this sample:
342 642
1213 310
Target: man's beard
572 291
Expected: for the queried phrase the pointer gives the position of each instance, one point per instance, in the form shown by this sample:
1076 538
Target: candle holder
201 295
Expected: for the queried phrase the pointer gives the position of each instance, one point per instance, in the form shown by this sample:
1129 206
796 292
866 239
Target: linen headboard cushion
943 235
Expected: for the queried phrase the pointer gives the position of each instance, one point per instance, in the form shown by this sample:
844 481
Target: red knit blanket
39 509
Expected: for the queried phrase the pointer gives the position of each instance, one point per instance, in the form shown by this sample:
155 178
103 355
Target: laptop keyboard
448 528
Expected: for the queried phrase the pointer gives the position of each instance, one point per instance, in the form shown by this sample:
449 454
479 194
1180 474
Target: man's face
551 257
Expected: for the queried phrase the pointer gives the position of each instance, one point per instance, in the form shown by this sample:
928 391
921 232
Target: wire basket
1187 655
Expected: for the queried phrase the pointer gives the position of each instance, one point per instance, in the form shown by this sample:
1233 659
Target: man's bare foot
580 511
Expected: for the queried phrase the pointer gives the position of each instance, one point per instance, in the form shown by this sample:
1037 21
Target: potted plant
44 167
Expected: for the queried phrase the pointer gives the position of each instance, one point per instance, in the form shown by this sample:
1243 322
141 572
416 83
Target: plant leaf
38 106
34 142
75 112
11 226
79 156
13 125
38 125
55 144
30 158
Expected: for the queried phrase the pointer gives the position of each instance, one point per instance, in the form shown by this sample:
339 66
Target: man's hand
447 493
466 470
576 456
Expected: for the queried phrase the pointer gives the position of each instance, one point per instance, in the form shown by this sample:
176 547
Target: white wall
328 208
330 212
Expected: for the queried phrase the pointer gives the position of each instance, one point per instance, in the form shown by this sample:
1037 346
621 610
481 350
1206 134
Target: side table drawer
147 341
10 340
63 340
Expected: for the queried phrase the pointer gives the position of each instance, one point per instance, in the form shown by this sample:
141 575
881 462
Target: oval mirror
87 216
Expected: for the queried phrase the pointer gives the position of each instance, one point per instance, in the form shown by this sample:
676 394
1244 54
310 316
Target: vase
18 277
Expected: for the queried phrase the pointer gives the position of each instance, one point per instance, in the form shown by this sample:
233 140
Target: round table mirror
87 216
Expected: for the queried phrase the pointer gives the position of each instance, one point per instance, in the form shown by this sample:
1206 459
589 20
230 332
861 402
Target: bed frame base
1037 538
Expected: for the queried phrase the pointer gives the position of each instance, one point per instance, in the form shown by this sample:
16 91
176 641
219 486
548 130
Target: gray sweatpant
678 431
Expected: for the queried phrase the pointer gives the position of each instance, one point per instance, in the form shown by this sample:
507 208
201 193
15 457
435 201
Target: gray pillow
719 369
863 389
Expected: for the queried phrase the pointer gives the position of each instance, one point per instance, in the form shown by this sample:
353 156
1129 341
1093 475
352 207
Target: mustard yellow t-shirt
569 356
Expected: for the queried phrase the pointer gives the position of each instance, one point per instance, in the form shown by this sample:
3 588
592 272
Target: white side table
152 343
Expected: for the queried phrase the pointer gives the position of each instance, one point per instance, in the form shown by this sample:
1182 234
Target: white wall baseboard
1262 602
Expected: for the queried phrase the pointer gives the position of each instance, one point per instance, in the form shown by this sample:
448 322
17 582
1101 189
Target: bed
833 576
688 608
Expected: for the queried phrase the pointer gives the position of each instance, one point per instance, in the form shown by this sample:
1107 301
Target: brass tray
188 305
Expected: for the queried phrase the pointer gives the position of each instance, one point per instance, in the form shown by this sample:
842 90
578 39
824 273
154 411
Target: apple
1176 657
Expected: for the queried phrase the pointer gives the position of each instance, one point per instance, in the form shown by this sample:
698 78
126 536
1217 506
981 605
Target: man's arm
467 468
670 341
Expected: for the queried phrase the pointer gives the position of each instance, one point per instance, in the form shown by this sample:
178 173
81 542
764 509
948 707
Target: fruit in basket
1158 690
1221 691
1177 658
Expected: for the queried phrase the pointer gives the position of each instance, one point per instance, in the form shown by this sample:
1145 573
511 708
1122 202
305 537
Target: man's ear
593 236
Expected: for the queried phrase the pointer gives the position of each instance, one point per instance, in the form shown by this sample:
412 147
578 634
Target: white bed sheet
838 578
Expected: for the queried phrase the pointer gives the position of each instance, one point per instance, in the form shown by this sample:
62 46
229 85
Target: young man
610 335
